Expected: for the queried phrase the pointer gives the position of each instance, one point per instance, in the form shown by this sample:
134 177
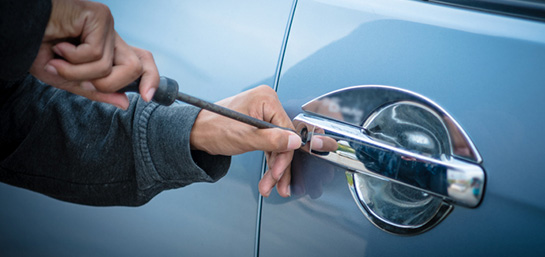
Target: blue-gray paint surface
214 49
485 70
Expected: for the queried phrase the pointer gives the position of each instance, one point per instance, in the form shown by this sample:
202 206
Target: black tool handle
164 95
167 93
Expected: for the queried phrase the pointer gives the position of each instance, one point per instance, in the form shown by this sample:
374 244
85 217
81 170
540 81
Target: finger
270 110
280 117
127 68
86 52
279 169
97 36
118 100
150 75
266 184
86 89
89 65
283 185
274 112
80 72
323 144
280 163
274 140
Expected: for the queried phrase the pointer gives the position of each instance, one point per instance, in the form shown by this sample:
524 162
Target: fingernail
122 106
289 191
51 69
118 106
56 50
86 85
316 143
269 192
125 103
150 94
294 142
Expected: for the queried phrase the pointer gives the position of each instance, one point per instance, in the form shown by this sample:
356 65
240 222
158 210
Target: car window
532 9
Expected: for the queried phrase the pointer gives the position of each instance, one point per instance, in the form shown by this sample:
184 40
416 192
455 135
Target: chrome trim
443 210
407 159
447 175
354 105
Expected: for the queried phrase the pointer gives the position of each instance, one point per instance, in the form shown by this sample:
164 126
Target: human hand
216 134
94 61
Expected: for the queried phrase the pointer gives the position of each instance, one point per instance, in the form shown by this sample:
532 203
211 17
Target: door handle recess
401 138
360 153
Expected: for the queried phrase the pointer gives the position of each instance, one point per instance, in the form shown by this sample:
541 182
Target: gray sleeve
76 150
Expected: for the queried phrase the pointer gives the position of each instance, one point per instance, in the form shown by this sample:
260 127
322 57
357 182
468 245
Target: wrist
200 135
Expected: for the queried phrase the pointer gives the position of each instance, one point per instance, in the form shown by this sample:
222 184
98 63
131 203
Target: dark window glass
532 9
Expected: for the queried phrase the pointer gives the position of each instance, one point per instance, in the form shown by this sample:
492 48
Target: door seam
275 87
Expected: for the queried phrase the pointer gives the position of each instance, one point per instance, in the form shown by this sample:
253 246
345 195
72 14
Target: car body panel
214 49
486 70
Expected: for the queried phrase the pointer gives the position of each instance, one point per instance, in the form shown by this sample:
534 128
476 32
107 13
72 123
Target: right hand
216 134
95 62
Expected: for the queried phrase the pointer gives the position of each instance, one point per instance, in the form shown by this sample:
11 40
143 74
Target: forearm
73 149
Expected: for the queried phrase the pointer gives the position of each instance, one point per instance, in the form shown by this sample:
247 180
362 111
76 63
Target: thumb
276 140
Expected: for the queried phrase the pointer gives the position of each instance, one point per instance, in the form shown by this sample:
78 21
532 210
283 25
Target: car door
481 67
214 49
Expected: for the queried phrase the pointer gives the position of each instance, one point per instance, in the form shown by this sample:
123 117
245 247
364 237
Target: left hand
216 134
96 63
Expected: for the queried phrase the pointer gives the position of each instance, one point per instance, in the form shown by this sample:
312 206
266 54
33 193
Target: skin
82 53
216 134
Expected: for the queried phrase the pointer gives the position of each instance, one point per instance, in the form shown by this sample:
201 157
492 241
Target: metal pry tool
167 93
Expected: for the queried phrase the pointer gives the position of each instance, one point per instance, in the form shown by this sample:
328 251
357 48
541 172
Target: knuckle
147 54
104 70
142 53
263 87
136 65
265 90
276 175
102 87
268 93
96 53
103 9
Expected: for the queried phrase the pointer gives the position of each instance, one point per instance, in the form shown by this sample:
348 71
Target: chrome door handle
408 160
356 151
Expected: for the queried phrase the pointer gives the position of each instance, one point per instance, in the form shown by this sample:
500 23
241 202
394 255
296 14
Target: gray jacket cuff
163 145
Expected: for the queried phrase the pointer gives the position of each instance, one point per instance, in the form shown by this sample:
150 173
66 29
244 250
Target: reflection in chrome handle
454 180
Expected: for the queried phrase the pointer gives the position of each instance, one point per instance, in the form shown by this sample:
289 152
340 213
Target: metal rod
226 112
